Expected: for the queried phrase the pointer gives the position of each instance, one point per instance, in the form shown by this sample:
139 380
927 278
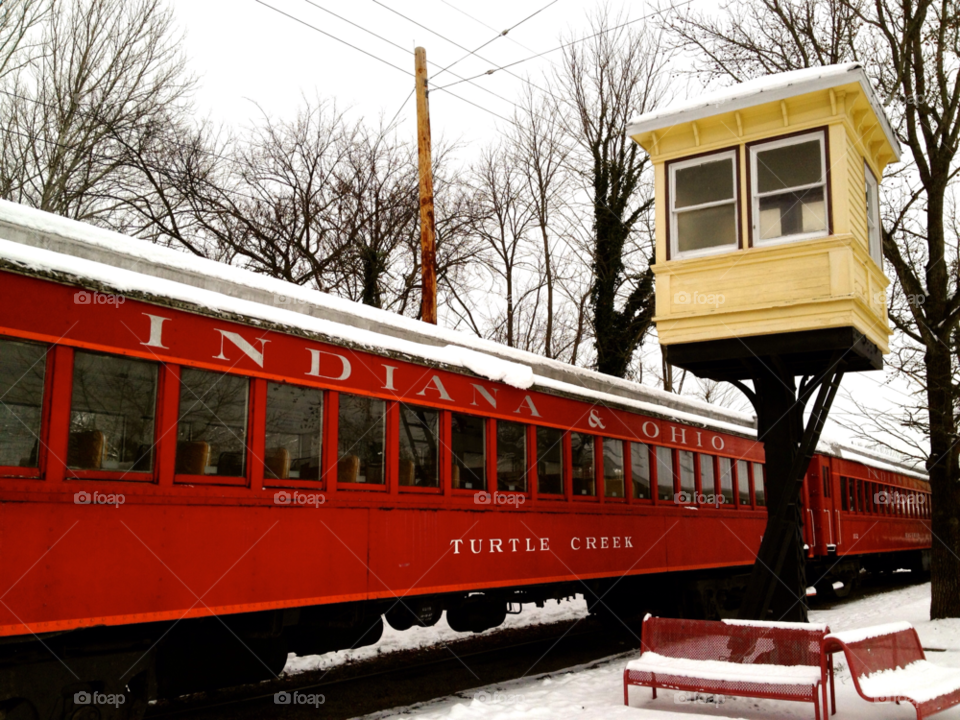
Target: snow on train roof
767 88
871 458
44 242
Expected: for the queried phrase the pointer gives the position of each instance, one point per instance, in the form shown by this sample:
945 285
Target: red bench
887 664
780 661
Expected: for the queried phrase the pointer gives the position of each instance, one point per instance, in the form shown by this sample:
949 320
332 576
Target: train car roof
47 245
869 457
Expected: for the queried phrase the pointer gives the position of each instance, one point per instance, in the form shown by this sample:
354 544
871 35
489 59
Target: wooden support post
428 248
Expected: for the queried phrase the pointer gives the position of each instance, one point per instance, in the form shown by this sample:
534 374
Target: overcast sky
251 54
247 54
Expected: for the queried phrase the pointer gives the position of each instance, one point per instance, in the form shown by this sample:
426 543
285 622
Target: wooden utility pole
428 227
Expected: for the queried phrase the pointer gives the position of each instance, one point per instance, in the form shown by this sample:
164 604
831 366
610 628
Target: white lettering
673 434
478 549
456 546
435 384
544 543
573 543
513 544
603 543
595 422
156 331
717 442
616 542
495 545
529 547
591 543
245 347
528 402
492 399
655 432
699 434
389 382
627 543
315 365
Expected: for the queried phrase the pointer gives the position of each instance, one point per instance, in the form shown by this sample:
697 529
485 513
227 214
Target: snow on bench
888 664
745 658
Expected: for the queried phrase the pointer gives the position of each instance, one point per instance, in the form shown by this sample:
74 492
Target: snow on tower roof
768 88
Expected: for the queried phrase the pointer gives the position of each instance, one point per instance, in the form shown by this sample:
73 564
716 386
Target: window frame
673 234
874 237
758 146
489 455
142 476
393 449
533 459
17 472
253 411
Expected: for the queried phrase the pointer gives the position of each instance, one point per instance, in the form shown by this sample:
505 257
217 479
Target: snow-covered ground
440 633
595 691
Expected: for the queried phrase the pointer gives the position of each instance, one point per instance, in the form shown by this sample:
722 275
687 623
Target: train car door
819 511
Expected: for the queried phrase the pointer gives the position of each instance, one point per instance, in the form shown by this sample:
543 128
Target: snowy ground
419 637
595 691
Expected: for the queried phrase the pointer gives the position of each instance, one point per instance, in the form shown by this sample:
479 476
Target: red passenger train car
202 469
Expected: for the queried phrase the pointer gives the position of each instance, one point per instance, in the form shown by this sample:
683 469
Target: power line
488 27
334 37
500 34
559 47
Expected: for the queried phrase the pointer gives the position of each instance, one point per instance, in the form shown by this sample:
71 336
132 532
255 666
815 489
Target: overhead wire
555 49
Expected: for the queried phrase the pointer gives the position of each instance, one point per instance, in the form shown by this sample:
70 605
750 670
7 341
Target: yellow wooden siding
803 285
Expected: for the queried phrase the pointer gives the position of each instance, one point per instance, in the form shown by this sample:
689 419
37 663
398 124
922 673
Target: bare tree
541 156
105 73
614 74
910 50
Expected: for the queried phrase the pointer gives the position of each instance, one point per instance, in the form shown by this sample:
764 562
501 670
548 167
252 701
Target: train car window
584 469
743 482
665 489
22 367
613 468
293 424
688 477
759 490
708 484
640 470
549 461
825 471
511 456
212 426
468 446
419 446
361 437
726 480
112 413
861 507
844 495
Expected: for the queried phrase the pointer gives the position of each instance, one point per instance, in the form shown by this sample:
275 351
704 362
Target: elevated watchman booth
769 267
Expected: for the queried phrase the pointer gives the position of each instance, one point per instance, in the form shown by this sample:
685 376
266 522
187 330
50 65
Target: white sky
246 53
250 53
